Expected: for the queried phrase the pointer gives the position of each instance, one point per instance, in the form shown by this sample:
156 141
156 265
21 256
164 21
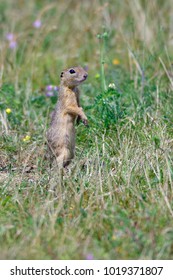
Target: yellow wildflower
115 61
8 111
97 76
26 138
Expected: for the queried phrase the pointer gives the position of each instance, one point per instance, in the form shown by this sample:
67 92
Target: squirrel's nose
85 76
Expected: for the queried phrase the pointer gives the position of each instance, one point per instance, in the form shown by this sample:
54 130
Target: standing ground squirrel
61 133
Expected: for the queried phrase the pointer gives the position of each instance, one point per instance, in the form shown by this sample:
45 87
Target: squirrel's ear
61 74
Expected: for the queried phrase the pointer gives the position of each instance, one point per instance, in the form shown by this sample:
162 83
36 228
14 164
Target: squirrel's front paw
85 122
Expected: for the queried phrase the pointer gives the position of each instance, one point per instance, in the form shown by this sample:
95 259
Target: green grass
117 197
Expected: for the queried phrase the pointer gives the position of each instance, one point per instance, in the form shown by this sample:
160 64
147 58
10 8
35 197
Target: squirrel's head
73 76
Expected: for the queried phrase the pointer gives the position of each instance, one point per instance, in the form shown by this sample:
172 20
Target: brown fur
61 134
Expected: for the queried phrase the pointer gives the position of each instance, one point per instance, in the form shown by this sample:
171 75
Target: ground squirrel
61 133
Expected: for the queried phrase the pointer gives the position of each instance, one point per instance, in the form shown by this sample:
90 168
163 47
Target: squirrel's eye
72 71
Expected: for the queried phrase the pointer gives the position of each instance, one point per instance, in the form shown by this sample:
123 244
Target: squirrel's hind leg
64 158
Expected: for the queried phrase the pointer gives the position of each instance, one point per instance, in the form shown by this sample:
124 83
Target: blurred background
40 38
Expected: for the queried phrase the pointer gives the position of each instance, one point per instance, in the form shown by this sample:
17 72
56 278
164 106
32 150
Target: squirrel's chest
69 98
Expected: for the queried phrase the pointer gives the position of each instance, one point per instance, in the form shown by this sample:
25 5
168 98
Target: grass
117 200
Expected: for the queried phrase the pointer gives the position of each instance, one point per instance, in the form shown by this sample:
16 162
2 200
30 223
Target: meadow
117 197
